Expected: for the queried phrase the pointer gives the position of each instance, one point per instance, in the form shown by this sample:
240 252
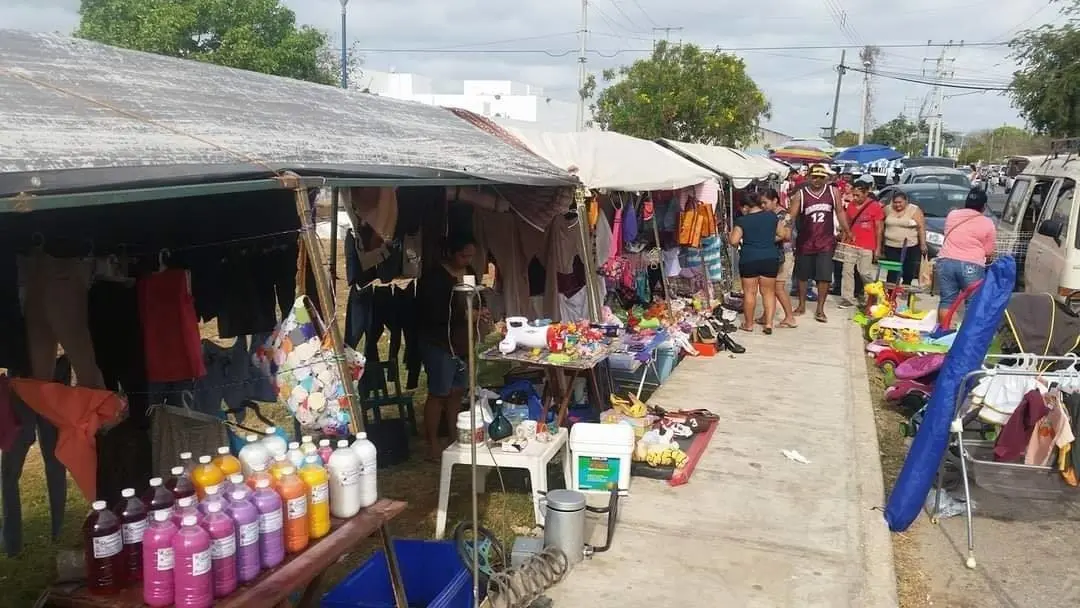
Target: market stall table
634 357
556 372
300 572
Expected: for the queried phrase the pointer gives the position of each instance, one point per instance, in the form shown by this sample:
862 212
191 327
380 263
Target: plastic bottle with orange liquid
279 463
294 497
226 462
206 475
318 482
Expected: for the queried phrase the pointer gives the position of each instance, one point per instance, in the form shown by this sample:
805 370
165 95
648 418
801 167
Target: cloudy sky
535 41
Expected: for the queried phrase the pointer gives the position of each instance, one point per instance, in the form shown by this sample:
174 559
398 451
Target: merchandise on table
294 495
180 484
226 462
271 534
470 429
256 475
103 550
369 469
325 450
318 484
188 462
601 455
245 518
279 463
294 455
308 447
214 495
206 476
185 506
158 584
222 533
158 497
192 565
132 514
253 455
237 483
344 471
275 442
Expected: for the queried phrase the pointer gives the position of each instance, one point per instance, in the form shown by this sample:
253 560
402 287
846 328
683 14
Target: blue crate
432 572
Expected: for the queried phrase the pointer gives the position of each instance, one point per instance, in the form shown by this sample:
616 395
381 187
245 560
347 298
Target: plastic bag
947 505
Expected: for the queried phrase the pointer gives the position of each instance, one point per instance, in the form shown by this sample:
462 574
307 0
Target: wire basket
1012 243
846 253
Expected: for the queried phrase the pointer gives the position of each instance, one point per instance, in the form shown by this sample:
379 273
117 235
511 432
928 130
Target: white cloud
798 82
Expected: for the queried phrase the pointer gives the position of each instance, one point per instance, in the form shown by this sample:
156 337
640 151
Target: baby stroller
914 384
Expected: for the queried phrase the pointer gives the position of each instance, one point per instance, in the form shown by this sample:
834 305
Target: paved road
996 201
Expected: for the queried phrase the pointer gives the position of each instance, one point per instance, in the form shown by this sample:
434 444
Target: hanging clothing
1051 433
170 329
497 233
1012 442
574 307
14 353
617 230
376 207
604 240
55 309
565 252
113 313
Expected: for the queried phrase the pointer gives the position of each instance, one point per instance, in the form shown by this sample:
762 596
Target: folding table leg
309 598
395 570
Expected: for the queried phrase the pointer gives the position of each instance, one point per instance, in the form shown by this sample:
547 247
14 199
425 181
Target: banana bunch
630 405
666 457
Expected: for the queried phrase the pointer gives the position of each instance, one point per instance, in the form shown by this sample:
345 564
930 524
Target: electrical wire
647 17
928 82
614 52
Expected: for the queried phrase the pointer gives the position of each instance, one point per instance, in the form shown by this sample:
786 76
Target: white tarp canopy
605 159
769 164
740 168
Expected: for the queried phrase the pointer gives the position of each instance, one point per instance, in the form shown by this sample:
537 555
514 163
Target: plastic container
180 484
226 462
236 482
294 497
295 456
325 450
278 465
132 514
600 456
192 566
275 441
158 498
318 483
213 496
246 523
344 472
256 475
222 549
253 456
206 476
187 462
369 468
157 558
308 447
185 506
103 547
432 572
271 521
469 432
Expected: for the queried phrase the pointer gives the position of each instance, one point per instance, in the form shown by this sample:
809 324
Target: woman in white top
904 229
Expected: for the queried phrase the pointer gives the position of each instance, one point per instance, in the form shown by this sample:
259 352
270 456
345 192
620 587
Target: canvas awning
77 116
740 168
605 159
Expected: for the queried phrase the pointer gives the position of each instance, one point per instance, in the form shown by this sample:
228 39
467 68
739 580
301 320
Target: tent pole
326 295
588 251
663 273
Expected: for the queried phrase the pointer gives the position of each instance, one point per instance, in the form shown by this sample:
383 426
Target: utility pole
583 34
667 32
937 95
344 49
865 101
840 69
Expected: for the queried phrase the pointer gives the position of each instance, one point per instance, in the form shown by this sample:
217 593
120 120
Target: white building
495 99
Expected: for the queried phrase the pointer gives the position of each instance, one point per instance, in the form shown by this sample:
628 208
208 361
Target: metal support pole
335 206
470 291
344 47
329 302
583 34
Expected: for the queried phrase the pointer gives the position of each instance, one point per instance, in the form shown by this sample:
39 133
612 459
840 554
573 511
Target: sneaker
845 303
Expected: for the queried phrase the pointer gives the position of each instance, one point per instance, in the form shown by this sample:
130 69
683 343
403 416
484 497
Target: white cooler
600 457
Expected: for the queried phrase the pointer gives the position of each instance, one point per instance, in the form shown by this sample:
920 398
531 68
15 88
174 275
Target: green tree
995 145
1046 88
683 93
256 35
900 133
845 139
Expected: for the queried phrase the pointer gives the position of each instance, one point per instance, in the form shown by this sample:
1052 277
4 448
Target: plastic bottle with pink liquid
246 521
192 566
271 524
185 506
325 450
157 557
132 514
222 548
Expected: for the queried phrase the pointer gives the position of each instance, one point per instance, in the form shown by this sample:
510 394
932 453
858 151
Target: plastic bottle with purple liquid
103 546
236 482
246 521
192 566
271 524
222 548
180 483
158 584
132 514
185 506
158 498
213 495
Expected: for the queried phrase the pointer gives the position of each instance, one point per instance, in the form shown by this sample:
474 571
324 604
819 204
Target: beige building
767 139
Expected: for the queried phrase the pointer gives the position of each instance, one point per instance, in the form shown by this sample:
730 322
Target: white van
1039 224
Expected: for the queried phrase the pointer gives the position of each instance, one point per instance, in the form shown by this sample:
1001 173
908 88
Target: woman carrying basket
865 217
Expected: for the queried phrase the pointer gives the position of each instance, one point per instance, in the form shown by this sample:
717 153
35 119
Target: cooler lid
566 500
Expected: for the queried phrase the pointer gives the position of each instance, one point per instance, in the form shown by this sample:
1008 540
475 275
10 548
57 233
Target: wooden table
560 377
300 572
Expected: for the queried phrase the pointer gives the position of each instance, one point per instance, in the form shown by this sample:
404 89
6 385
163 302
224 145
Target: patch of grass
913 583
507 514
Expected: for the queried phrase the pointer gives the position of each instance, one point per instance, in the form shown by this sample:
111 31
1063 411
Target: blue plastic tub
432 572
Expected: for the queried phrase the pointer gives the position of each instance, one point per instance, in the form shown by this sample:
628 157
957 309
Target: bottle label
270 522
249 534
164 558
320 493
133 532
200 563
224 547
297 507
108 546
349 477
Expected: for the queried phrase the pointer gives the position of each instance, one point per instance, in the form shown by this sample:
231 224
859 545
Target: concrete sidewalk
752 528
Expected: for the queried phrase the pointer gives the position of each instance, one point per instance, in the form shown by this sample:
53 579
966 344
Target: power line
647 17
1015 29
635 26
613 52
929 82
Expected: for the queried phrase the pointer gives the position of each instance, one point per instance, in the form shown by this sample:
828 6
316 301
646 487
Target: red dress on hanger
170 327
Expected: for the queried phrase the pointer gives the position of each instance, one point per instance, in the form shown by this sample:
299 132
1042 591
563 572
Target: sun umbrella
868 153
814 143
800 155
77 412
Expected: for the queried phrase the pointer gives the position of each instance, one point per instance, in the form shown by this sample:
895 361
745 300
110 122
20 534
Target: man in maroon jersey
814 208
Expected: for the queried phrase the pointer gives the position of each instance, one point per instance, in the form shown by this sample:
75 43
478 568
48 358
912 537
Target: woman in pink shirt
969 243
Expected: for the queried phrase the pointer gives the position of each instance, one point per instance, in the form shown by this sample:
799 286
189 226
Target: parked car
936 201
929 161
935 175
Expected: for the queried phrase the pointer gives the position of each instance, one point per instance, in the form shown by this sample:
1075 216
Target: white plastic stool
534 459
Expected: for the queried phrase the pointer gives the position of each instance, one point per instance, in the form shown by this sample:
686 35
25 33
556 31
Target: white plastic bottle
253 456
295 456
368 456
344 470
275 443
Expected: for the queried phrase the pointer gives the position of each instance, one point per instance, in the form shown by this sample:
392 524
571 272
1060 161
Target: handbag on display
299 358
